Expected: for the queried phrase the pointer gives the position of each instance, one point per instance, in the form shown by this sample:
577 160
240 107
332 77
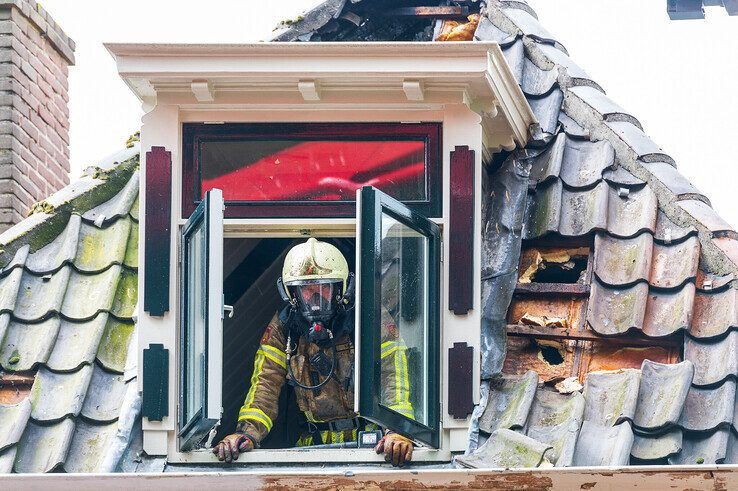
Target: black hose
327 378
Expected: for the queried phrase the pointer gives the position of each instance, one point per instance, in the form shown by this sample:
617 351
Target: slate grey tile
118 206
13 419
514 55
114 344
40 295
27 345
77 343
555 419
668 232
547 165
59 251
98 290
731 454
703 355
101 247
104 396
528 24
701 448
611 397
571 127
561 59
19 259
487 31
583 211
668 312
714 313
633 214
662 393
7 457
705 215
9 285
675 264
537 81
619 262
4 323
613 311
509 402
133 213
707 409
131 257
44 448
57 395
603 445
497 293
638 141
657 447
507 449
605 106
546 110
673 180
126 295
90 447
584 162
619 177
544 208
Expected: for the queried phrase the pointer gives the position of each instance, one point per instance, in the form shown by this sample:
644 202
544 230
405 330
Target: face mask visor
317 300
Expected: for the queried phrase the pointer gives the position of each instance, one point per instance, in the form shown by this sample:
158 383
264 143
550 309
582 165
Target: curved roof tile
662 393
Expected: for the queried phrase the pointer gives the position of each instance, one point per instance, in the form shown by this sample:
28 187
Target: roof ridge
634 150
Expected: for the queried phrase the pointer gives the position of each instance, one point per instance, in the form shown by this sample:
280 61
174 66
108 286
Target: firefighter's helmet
314 276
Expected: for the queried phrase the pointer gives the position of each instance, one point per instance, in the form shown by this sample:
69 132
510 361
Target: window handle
229 309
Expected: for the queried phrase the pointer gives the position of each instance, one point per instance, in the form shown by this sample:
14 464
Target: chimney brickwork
34 116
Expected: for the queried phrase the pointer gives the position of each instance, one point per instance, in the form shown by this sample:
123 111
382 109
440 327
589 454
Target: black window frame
193 134
373 204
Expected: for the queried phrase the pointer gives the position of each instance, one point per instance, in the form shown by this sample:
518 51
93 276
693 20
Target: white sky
679 78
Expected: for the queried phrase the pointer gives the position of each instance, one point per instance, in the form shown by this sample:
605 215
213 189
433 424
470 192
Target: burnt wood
553 333
155 398
574 289
157 219
460 370
461 232
443 12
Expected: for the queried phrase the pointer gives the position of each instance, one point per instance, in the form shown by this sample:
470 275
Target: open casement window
201 334
399 333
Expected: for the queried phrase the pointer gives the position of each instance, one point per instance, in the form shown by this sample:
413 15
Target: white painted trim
215 279
203 91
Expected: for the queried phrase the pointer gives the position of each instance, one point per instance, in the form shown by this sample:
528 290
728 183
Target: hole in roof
551 354
554 265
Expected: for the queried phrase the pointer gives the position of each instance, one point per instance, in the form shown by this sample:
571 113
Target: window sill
307 455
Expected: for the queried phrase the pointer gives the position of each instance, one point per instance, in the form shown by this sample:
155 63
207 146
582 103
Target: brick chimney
34 117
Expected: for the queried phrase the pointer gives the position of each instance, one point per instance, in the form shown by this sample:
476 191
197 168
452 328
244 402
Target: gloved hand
231 445
396 448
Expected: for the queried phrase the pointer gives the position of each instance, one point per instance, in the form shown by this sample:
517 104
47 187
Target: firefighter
309 344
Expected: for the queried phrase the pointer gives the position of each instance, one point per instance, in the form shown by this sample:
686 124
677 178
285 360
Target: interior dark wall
252 268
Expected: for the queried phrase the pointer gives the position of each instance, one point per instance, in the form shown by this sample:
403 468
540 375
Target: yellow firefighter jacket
334 400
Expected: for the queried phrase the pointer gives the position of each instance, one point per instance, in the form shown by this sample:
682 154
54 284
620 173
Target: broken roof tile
57 395
77 343
27 345
584 162
614 311
44 448
40 295
611 397
510 399
668 312
714 313
673 265
703 355
13 419
59 251
667 232
603 445
116 207
633 213
99 248
583 211
701 448
605 106
619 262
98 290
547 165
647 447
507 449
88 450
704 214
708 409
546 110
555 420
114 343
103 400
662 393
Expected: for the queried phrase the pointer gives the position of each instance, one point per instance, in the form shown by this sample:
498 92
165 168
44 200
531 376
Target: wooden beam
575 289
567 334
447 12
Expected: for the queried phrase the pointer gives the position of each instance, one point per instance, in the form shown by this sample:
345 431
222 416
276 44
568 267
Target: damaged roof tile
662 393
555 420
507 449
509 402
611 397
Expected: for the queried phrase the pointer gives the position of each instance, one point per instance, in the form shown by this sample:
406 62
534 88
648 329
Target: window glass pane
404 297
296 170
195 325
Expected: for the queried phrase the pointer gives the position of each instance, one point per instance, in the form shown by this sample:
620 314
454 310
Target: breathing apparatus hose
334 355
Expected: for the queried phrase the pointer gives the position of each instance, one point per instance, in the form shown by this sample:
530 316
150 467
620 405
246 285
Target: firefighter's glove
230 446
396 449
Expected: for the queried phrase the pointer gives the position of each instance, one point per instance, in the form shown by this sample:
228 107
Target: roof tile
657 447
675 182
614 311
673 265
537 81
88 448
703 355
704 214
630 215
98 290
487 31
57 395
700 448
101 247
714 313
103 400
9 285
584 162
583 211
546 110
605 106
611 396
507 449
13 419
116 207
603 445
114 344
44 448
509 402
59 251
27 345
668 312
707 409
528 24
644 148
77 343
544 208
662 393
619 177
622 261
555 420
126 295
7 457
40 295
